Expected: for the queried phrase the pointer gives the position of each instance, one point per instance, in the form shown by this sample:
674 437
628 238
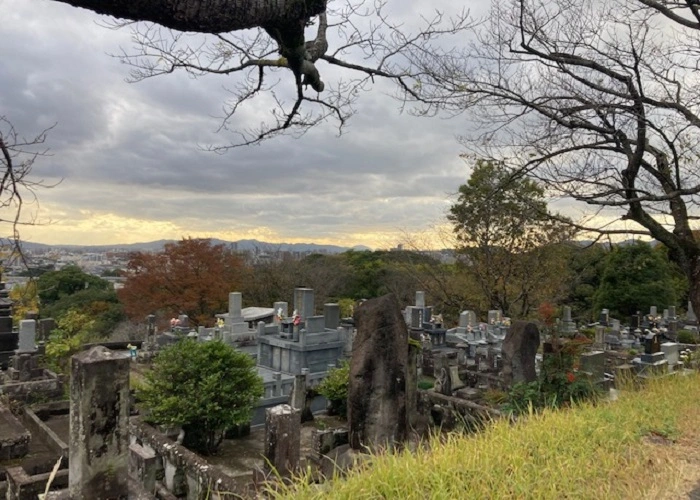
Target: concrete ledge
21 486
50 387
14 437
38 428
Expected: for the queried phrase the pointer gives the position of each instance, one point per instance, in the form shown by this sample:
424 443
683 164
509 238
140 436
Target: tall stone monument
377 391
519 351
99 425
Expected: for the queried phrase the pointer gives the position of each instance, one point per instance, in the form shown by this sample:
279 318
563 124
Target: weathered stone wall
22 486
51 387
183 473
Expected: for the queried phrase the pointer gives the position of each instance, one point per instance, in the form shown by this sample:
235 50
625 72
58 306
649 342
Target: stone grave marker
519 350
377 390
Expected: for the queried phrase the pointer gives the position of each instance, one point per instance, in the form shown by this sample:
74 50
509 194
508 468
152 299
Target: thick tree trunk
207 16
694 285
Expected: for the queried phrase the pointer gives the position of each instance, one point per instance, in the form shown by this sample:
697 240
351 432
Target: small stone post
99 425
142 466
282 439
297 399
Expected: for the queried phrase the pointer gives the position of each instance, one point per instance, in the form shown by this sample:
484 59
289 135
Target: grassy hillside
635 447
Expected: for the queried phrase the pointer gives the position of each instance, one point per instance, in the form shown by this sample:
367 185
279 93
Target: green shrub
205 387
335 389
558 384
588 332
426 383
687 337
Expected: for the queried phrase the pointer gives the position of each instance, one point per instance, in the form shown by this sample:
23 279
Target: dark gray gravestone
519 350
377 414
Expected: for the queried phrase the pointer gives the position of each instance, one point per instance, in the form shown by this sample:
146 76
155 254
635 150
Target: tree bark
207 16
694 284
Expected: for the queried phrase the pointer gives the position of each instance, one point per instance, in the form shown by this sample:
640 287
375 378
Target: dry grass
645 445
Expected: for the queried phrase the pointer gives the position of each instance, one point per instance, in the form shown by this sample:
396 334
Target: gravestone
281 311
27 336
672 352
593 364
235 308
282 439
331 315
99 425
420 299
635 321
690 317
519 349
45 327
377 389
568 327
599 335
304 302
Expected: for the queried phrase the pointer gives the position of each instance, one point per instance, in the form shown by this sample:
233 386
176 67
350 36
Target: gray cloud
135 150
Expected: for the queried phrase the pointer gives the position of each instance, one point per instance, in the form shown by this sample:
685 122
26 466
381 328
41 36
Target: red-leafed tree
192 276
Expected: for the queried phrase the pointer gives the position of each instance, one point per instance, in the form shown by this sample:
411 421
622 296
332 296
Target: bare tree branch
355 37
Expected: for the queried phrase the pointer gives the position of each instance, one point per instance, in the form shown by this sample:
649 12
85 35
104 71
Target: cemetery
409 375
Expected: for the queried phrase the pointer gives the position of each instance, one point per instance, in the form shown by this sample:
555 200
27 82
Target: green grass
601 451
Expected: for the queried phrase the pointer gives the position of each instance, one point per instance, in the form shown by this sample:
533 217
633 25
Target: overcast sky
131 166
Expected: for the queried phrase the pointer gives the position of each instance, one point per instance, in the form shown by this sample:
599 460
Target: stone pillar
416 318
691 318
304 302
282 439
281 309
99 425
277 388
27 336
235 306
331 315
142 466
297 399
420 299
378 371
672 312
414 351
519 350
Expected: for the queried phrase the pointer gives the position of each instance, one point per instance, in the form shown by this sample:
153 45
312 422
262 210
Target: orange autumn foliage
192 277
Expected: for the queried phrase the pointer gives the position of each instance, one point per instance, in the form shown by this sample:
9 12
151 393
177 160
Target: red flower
570 377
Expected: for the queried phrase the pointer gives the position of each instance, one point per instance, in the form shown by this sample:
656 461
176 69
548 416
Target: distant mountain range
242 245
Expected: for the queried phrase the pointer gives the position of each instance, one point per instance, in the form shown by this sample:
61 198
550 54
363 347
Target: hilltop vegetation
635 447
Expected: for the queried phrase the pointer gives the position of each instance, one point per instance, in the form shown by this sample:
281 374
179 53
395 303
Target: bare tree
17 156
253 39
597 100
